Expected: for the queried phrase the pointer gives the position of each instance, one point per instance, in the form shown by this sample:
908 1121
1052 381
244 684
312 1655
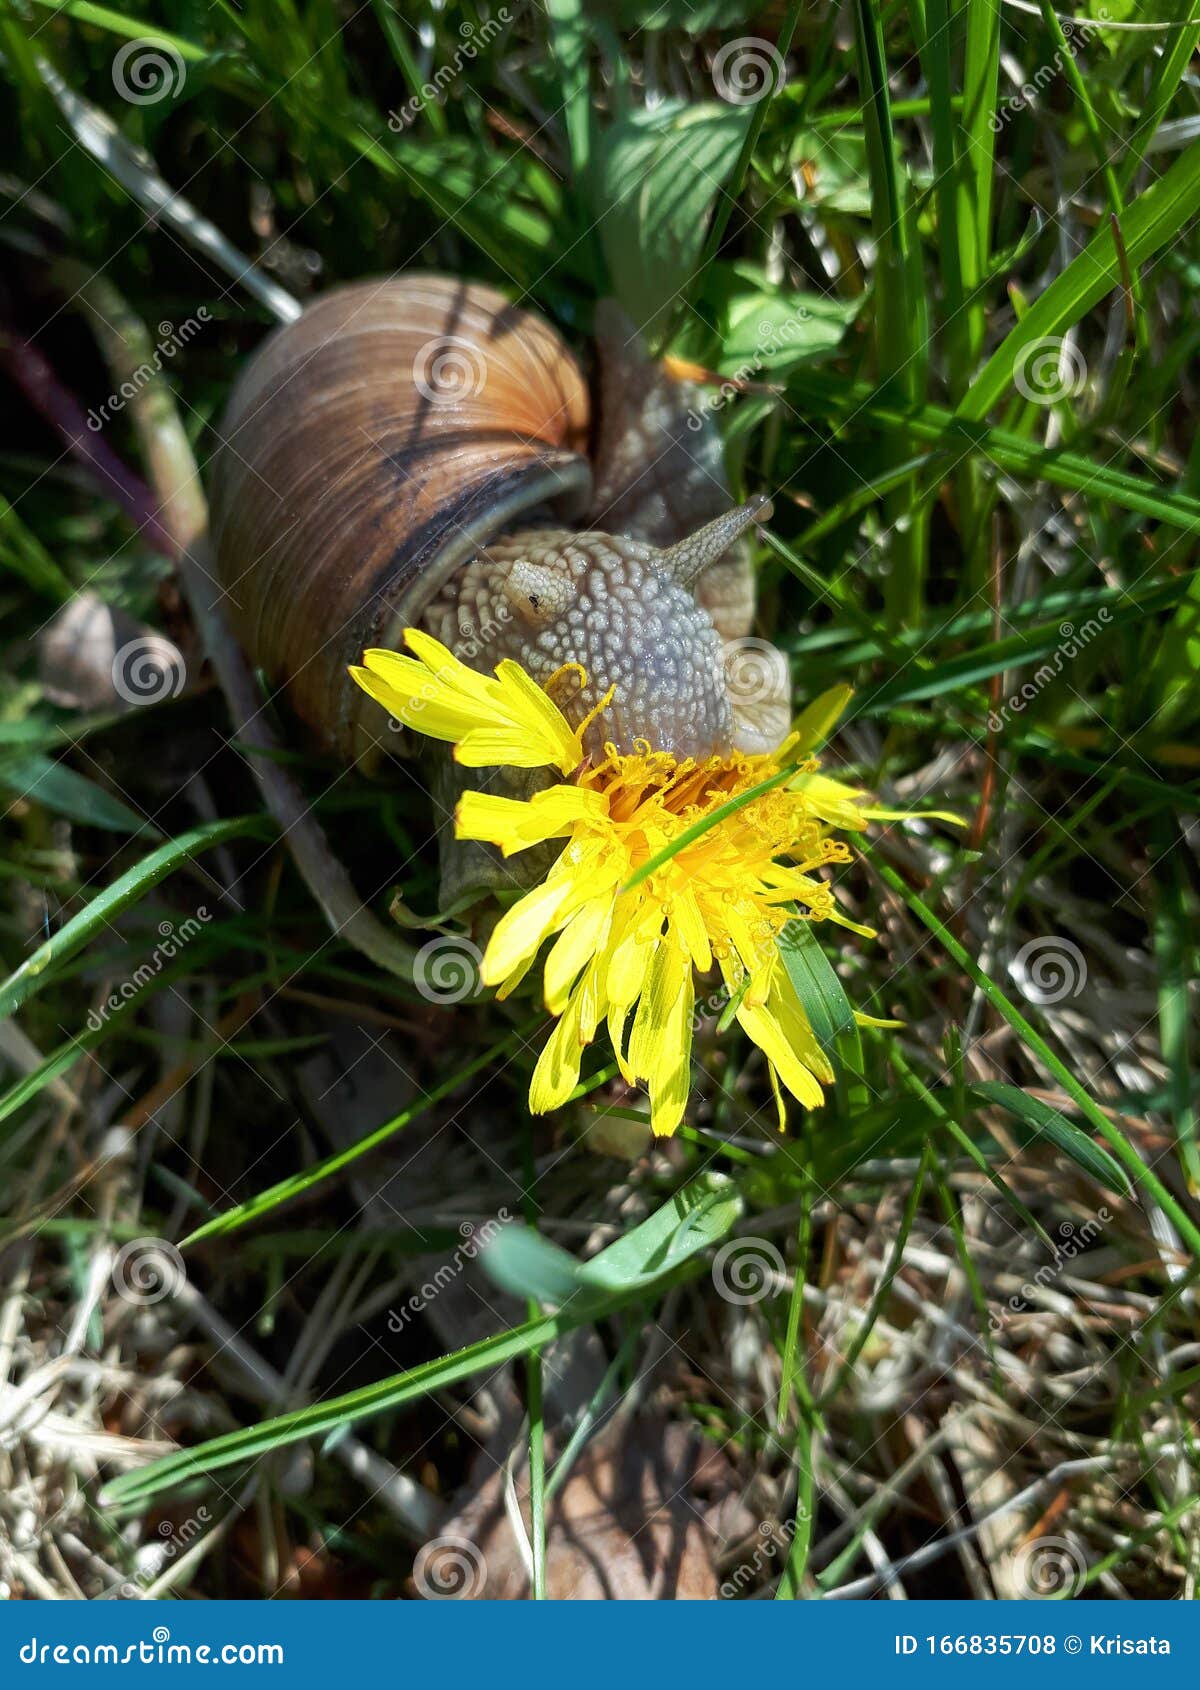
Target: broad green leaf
765 334
68 793
699 1215
817 986
521 1261
656 176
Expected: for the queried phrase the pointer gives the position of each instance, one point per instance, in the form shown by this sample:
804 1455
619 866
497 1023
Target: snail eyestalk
687 560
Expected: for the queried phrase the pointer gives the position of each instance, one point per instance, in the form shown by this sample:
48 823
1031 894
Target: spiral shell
368 450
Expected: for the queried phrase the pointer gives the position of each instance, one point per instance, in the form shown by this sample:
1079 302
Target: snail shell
368 450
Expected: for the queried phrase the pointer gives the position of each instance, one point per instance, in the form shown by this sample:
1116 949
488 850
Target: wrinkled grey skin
549 598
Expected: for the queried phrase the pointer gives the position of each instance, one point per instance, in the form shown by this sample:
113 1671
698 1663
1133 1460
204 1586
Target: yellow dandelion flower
669 868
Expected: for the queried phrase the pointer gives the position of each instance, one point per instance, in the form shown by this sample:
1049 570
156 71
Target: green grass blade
1140 1174
296 1185
234 1449
38 970
1152 222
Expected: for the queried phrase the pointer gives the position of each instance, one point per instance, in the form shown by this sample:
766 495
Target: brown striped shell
368 450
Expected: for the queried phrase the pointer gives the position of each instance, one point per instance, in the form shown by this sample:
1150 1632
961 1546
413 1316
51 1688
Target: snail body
418 450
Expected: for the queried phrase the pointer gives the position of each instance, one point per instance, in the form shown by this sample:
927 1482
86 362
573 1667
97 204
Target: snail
419 451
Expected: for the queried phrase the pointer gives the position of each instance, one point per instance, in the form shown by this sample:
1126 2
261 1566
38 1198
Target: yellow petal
521 930
516 823
686 919
671 1082
541 712
574 948
763 1025
556 1073
502 720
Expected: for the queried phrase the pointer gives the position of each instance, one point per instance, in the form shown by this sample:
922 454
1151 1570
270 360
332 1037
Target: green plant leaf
68 793
1036 1119
657 174
523 1262
232 1449
1151 222
817 986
